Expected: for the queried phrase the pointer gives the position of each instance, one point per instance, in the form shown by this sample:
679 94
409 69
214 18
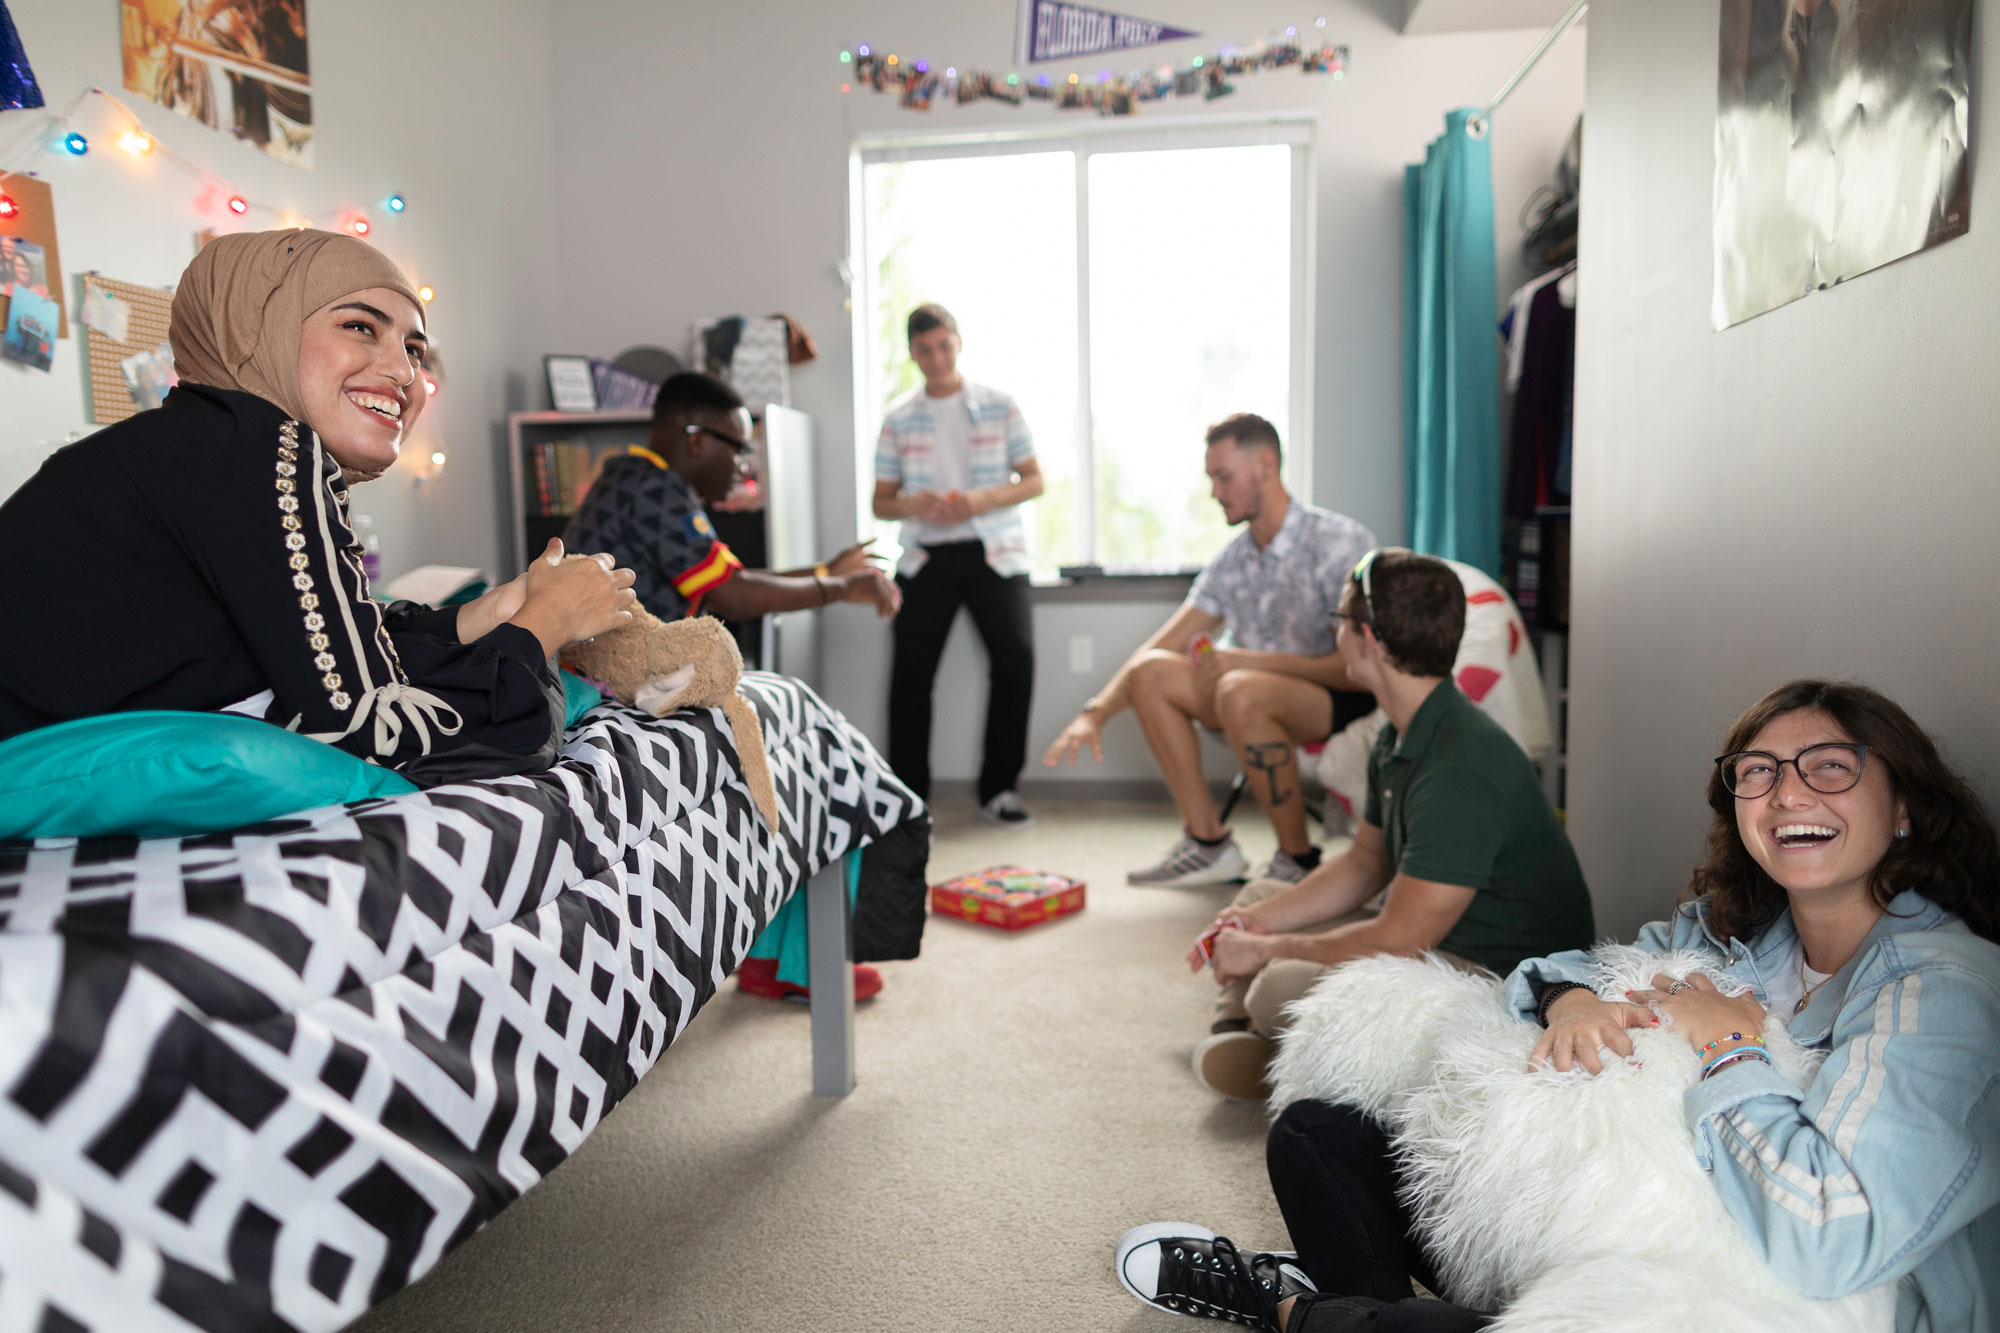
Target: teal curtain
1451 363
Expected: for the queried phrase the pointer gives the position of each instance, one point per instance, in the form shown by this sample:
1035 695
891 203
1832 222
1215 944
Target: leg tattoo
1271 758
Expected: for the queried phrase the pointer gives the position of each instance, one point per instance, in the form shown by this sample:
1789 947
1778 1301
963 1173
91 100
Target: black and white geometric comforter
265 1079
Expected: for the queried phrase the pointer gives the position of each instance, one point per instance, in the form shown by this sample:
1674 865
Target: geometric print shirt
998 443
1282 598
648 517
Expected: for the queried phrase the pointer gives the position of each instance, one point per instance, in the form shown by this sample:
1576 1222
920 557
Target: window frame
1298 131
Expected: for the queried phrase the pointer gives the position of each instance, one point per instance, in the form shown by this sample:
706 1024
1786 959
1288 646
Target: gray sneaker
1193 865
1281 866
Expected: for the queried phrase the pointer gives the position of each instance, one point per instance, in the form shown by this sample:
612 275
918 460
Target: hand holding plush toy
659 666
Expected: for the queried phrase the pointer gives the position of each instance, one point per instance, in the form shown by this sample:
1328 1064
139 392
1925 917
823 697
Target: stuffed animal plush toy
660 665
1573 1204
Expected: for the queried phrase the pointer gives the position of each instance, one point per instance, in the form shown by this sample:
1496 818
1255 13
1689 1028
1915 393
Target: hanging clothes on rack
1542 374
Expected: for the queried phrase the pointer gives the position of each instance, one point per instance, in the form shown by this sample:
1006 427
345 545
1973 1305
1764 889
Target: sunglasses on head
1362 570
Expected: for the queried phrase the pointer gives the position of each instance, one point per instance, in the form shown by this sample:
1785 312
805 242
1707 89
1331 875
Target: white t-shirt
951 467
1785 989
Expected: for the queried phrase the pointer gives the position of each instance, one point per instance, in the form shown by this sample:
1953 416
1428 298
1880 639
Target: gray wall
1847 437
715 182
453 113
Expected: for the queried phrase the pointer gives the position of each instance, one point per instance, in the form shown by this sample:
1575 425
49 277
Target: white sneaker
1281 866
1193 865
1005 810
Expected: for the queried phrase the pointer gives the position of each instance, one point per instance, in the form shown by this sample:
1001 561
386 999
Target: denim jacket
1887 1169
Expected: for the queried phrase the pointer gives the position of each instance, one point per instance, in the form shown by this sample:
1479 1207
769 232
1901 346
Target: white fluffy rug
1572 1204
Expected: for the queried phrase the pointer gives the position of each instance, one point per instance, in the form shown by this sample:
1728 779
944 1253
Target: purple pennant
1058 30
18 89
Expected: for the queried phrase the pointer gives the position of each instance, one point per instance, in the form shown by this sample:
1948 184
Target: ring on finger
1678 987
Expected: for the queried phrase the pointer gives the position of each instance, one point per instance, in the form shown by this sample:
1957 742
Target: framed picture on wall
571 387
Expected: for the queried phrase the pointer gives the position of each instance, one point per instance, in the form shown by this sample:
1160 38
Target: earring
1902 833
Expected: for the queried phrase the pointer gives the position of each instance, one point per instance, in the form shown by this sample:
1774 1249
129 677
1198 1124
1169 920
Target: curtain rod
1478 125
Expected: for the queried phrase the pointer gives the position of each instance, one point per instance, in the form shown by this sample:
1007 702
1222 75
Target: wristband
1735 1057
1549 997
820 583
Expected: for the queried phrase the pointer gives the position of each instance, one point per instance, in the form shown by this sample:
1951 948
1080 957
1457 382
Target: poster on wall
234 65
1840 142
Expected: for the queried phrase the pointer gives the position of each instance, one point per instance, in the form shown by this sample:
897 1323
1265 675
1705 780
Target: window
1127 288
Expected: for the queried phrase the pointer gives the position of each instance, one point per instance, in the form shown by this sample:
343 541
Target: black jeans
1336 1183
956 574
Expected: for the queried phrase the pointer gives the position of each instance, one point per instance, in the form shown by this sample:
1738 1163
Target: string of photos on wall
1052 31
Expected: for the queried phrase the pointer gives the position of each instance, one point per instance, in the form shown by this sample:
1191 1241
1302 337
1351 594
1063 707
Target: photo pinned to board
150 374
105 312
23 263
32 320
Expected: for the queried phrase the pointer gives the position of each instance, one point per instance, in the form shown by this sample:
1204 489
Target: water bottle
371 548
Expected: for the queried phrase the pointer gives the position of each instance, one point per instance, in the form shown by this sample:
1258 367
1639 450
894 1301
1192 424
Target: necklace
1811 990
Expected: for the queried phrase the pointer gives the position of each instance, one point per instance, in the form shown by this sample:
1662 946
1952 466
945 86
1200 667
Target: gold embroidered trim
295 542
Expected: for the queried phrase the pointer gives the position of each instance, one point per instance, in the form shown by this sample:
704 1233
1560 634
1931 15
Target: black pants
956 574
1336 1183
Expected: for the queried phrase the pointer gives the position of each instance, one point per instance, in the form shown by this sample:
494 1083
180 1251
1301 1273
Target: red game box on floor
1009 897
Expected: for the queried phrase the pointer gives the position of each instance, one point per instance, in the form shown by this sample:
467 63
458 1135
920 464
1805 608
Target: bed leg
832 982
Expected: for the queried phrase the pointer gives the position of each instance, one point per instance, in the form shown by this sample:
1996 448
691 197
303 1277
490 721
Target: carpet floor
1023 1099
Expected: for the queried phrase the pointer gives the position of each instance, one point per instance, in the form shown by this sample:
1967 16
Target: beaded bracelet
1550 995
1737 1056
1734 1036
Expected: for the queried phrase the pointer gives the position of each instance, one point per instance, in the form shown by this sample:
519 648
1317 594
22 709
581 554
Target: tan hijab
241 303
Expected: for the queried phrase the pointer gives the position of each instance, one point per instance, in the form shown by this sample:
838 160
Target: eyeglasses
740 446
1827 769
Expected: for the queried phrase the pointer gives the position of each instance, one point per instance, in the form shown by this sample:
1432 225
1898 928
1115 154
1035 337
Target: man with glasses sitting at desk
647 509
1456 829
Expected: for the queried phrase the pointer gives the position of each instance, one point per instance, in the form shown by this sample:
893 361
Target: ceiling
1427 16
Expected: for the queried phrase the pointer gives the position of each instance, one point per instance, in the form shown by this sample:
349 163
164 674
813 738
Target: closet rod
1479 123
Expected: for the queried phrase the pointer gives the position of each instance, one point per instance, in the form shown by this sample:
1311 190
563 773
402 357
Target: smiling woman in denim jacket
1852 885
1851 882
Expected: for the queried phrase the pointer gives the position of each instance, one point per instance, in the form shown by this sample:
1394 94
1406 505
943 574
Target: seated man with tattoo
1279 686
1456 829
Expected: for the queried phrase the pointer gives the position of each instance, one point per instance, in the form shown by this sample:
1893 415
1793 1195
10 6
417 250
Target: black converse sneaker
1187 1269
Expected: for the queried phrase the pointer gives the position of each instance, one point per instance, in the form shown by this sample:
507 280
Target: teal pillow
579 697
168 774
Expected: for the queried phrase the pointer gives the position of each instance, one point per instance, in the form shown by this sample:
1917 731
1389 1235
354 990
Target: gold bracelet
820 571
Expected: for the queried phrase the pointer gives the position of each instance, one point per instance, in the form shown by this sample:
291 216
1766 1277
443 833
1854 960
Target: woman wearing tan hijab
198 556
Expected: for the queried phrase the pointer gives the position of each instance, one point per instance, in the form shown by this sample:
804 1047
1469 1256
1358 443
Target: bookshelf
534 437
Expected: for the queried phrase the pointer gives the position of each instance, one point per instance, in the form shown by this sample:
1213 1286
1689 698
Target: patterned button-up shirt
1282 599
999 443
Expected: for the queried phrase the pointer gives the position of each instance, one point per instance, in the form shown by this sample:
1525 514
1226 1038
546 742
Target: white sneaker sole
1153 1232
1213 877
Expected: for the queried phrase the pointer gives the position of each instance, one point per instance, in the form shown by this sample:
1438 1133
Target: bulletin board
152 308
36 222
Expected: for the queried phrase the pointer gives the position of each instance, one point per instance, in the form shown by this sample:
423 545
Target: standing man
955 463
647 507
1277 587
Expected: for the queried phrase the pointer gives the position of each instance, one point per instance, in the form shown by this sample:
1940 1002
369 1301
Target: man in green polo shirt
1455 827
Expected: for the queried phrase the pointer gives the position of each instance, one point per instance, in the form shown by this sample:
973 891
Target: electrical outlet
1081 648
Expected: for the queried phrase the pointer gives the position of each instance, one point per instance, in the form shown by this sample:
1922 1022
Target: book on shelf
563 471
